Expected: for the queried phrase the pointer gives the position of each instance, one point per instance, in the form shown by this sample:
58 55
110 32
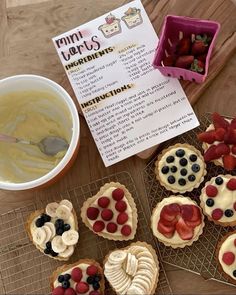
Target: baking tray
24 270
200 257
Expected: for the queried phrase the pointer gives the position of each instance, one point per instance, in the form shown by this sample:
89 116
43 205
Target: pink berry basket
171 29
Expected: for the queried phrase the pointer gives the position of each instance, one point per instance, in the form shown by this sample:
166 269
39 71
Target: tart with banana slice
132 270
54 230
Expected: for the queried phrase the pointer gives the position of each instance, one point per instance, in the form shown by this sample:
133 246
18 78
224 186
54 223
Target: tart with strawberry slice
82 277
218 200
219 142
111 213
177 221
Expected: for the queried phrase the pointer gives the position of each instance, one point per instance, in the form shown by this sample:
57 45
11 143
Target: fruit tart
219 142
180 168
54 230
177 221
218 200
133 270
82 277
226 256
111 213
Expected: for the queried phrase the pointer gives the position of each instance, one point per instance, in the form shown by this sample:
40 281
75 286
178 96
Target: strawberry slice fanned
184 231
219 121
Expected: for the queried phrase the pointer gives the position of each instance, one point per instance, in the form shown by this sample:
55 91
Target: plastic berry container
172 27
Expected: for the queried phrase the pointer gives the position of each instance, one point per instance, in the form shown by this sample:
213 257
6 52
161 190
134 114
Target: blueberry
229 213
191 178
49 245
65 284
180 153
183 162
90 280
39 222
173 169
182 181
165 169
97 278
219 180
59 231
54 254
66 227
183 172
96 286
46 217
210 202
61 279
171 179
47 251
170 159
234 273
195 168
193 158
67 277
59 223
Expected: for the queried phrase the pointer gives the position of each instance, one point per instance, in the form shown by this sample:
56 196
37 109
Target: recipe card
129 106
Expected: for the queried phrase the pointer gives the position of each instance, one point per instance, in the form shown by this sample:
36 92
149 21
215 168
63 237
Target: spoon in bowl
50 145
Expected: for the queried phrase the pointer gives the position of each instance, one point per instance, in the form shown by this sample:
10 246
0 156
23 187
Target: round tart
218 200
180 168
226 256
177 221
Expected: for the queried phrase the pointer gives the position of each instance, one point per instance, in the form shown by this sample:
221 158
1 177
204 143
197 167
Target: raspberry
211 191
94 293
82 288
228 258
217 214
70 291
92 213
111 227
76 274
121 206
58 291
118 194
92 270
122 218
98 226
231 185
103 202
126 230
107 214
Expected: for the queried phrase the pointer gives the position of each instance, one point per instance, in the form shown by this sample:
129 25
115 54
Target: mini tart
54 230
84 276
218 200
180 168
177 221
132 270
226 256
111 213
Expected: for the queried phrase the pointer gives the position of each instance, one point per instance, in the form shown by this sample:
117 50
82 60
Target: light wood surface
26 29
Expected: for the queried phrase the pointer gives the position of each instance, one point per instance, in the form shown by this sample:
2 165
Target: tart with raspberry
180 168
219 142
177 221
226 256
82 277
111 213
54 230
218 200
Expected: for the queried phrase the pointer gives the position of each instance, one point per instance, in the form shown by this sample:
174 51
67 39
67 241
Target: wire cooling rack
25 270
200 257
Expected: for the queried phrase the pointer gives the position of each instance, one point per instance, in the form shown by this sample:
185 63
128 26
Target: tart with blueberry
180 168
226 256
111 213
218 200
82 277
177 221
54 231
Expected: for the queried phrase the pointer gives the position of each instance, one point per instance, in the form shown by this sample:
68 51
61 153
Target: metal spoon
50 145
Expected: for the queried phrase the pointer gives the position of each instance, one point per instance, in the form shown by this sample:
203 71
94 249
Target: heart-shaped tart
177 221
111 213
54 231
82 277
133 270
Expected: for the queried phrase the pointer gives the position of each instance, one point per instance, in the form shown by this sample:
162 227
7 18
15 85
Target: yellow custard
30 115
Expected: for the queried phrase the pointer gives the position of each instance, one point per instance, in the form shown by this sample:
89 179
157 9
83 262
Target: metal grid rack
200 257
24 270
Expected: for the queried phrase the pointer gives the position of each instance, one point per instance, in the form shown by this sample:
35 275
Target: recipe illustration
128 105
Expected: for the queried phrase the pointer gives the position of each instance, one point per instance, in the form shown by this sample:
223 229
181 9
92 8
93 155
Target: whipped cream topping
228 246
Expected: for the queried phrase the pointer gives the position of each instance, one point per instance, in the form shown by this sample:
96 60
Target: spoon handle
8 138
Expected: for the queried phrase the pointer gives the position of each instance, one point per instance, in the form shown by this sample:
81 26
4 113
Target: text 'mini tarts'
54 231
111 213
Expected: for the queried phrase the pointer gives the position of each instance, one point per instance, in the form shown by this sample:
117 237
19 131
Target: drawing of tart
111 27
132 17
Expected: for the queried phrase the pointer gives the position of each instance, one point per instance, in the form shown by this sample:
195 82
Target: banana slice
134 290
48 232
67 203
117 257
144 265
68 252
57 244
122 286
110 268
144 254
51 209
39 236
52 228
63 212
142 281
70 237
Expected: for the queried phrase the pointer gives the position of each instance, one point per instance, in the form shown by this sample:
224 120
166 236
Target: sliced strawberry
193 224
196 214
233 149
231 184
187 212
222 149
169 212
184 231
229 162
233 123
219 134
230 136
167 231
219 121
208 136
210 154
228 258
169 223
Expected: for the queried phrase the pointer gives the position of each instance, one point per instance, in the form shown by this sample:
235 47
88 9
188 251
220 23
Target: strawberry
200 45
107 214
233 123
222 149
219 134
233 149
91 270
219 122
208 136
98 226
169 61
112 227
82 288
231 184
187 212
122 218
167 231
183 46
121 206
126 230
196 215
118 194
211 191
197 66
103 202
210 154
169 212
229 162
202 57
58 291
92 213
169 223
228 258
193 224
70 291
217 214
76 274
185 232
230 136
184 61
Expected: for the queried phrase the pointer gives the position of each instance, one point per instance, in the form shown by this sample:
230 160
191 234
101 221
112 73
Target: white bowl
33 82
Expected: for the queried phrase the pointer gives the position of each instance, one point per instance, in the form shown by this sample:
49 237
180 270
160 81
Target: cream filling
176 239
228 246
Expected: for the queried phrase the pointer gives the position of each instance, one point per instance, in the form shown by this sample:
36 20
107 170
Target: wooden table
26 29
